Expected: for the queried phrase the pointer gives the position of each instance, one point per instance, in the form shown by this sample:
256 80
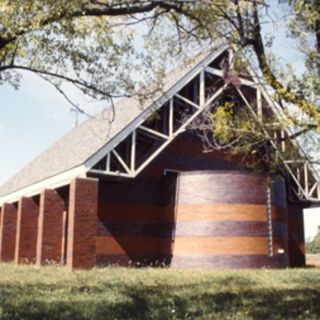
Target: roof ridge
77 146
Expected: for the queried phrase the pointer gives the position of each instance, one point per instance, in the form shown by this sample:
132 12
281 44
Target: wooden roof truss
182 105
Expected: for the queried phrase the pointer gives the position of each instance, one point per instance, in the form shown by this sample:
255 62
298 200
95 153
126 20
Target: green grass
120 293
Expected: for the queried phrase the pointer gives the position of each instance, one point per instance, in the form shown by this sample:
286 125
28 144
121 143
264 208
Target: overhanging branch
81 84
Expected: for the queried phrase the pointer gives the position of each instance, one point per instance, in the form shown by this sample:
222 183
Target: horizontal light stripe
221 245
235 212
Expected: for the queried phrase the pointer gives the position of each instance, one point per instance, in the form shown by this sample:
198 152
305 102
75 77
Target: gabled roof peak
73 154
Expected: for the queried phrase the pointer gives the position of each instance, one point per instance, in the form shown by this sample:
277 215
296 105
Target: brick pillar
8 226
27 227
50 227
82 219
296 245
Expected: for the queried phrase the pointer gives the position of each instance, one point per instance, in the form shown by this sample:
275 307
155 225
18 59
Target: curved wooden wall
221 221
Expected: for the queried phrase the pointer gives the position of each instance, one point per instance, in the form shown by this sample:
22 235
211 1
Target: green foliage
54 293
304 27
62 40
117 48
235 129
314 245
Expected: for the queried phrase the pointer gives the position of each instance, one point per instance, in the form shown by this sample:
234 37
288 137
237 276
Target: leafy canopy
111 48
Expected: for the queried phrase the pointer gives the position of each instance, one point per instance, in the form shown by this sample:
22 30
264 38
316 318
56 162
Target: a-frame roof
94 147
70 156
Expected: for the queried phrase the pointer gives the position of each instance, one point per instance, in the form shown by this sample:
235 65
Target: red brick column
296 244
83 211
26 236
50 227
8 226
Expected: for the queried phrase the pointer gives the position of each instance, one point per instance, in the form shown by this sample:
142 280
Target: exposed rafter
139 137
149 137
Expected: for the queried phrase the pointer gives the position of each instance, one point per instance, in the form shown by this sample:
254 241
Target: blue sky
35 116
31 119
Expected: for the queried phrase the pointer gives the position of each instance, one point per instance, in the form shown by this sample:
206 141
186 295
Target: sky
31 119
36 115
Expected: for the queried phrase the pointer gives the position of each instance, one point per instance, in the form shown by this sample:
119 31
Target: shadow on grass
162 302
284 304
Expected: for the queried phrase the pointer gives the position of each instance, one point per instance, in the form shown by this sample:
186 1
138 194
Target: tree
314 245
90 43
76 42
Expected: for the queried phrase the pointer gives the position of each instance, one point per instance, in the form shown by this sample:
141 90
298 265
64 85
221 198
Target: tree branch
283 92
98 8
74 105
77 82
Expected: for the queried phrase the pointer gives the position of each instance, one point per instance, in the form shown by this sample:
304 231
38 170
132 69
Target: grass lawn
120 293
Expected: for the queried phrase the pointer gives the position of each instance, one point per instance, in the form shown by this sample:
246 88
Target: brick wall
221 221
136 219
26 235
8 231
82 220
296 235
51 225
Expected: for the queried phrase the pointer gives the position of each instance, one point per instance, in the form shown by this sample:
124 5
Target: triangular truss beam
135 151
